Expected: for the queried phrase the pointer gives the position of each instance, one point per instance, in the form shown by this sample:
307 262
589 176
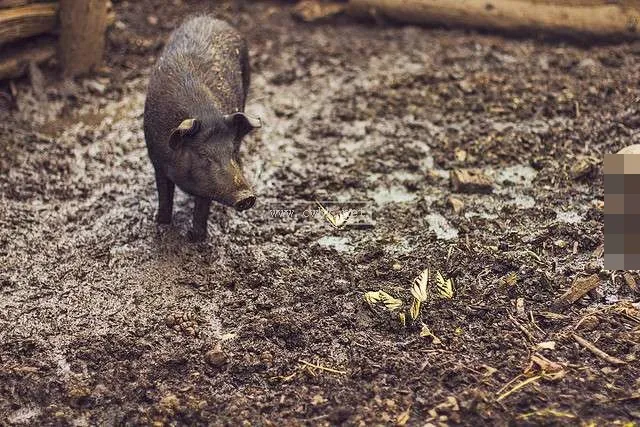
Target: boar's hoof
197 235
244 201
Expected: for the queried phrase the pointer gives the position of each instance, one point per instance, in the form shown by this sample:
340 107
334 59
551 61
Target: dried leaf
547 345
550 369
489 370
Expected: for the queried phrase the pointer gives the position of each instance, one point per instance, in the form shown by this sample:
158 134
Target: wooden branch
603 19
26 21
12 3
597 352
14 62
583 2
83 25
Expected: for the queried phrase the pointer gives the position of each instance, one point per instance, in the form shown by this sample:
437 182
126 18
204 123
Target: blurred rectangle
632 165
622 211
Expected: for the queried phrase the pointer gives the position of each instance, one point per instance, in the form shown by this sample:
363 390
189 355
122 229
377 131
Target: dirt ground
106 318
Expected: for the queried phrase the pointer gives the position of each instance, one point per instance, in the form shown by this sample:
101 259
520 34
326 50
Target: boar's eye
188 127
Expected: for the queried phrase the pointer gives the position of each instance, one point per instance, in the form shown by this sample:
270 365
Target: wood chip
578 289
588 323
547 345
456 204
466 181
631 282
546 366
599 251
520 308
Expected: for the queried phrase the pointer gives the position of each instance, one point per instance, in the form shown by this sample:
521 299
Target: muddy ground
106 318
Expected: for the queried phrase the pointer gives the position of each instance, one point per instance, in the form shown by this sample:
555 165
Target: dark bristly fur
203 74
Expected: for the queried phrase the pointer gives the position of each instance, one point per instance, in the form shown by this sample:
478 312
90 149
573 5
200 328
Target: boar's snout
244 200
227 185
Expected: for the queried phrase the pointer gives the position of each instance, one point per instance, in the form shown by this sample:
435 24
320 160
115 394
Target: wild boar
194 119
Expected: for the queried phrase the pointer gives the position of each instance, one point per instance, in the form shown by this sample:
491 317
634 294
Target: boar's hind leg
165 198
200 215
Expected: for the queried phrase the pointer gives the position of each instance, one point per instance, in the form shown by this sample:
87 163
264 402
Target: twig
322 368
624 399
546 412
508 384
285 377
526 333
519 386
597 352
535 256
534 323
449 252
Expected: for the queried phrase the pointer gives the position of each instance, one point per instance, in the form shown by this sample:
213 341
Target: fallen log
27 21
12 3
82 31
14 62
589 17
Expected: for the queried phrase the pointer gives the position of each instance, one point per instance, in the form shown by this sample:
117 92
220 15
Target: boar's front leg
200 215
166 188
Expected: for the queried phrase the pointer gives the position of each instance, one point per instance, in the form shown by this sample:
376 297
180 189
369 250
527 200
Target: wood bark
14 62
27 21
599 18
82 35
579 288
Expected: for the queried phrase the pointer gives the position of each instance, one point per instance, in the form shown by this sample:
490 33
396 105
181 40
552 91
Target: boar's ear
242 123
188 127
